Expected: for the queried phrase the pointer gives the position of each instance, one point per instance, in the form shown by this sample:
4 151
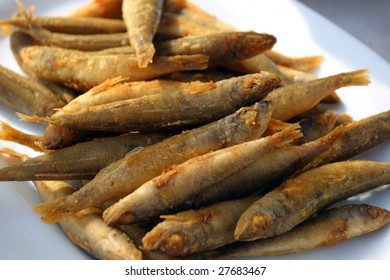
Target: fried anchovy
169 111
27 95
298 198
192 231
80 161
356 137
81 71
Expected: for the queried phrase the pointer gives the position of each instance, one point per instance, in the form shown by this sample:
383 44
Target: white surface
299 31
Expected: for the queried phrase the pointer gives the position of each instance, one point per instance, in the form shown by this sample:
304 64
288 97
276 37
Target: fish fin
309 63
7 152
107 84
198 88
289 134
26 118
276 126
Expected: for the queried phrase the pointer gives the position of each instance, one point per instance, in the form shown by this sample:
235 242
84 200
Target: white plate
299 31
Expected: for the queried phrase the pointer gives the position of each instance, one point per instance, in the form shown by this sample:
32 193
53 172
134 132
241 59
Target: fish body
81 71
171 111
192 231
80 161
298 198
292 100
27 95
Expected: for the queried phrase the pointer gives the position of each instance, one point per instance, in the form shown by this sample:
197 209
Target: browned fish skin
204 23
99 8
82 42
80 161
136 233
171 111
142 18
264 174
173 26
27 95
87 230
299 197
9 133
306 63
299 76
118 89
77 25
57 137
316 125
73 68
193 231
208 75
183 181
221 47
258 63
295 99
113 8
18 41
203 17
327 229
124 176
355 138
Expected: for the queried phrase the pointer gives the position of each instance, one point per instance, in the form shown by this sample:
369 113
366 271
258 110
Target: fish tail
288 135
55 210
310 62
26 118
28 16
359 77
275 126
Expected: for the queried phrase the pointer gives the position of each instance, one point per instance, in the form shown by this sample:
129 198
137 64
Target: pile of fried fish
191 139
